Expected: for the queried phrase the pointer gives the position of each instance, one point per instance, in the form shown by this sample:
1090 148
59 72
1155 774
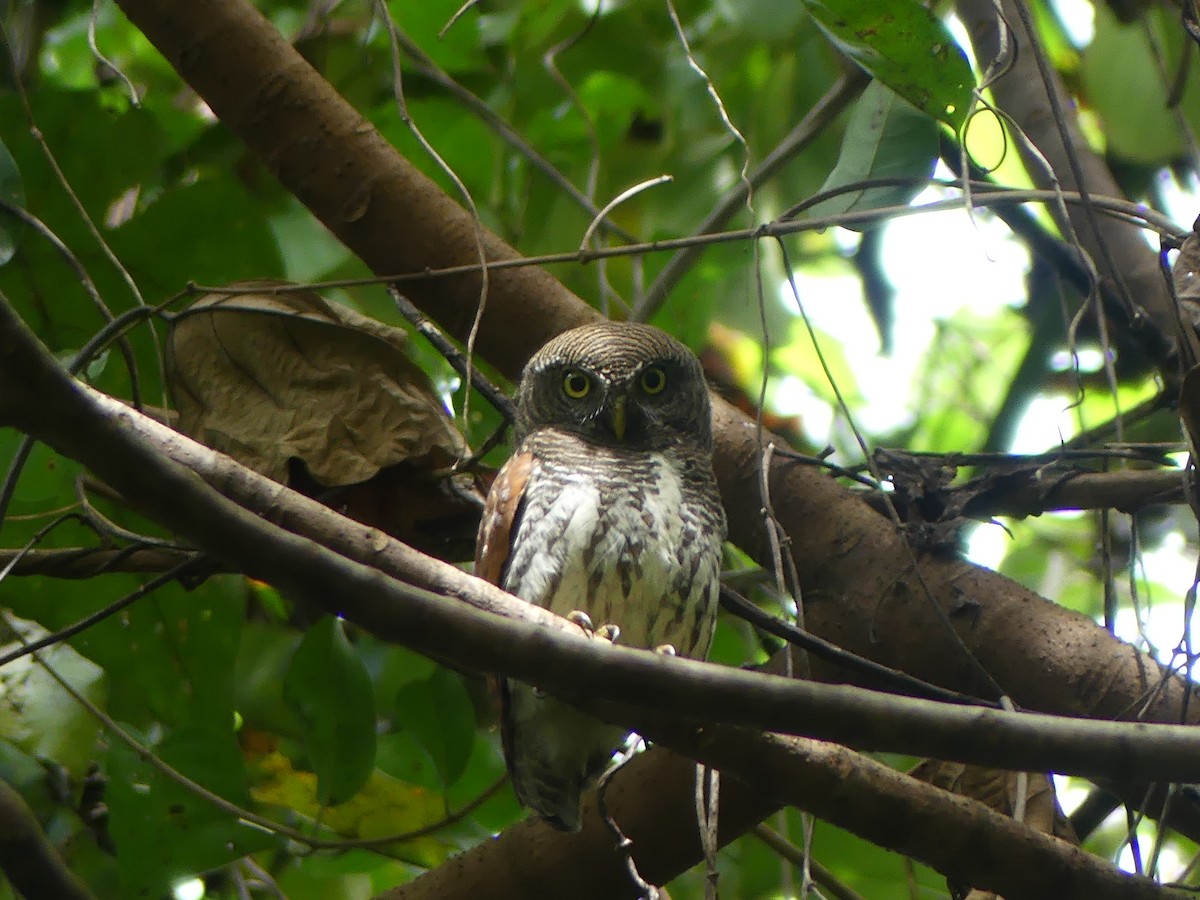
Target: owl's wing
501 514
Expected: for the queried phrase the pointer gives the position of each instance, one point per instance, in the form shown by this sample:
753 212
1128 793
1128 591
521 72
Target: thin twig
86 218
814 122
85 281
193 564
624 845
793 854
734 603
616 201
1122 209
428 68
472 377
477 230
949 629
134 100
708 792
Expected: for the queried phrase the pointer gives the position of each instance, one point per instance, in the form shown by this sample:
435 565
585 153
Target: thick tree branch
27 858
856 571
528 856
157 469
1123 260
977 846
974 845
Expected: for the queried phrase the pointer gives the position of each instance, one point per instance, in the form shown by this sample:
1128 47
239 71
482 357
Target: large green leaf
329 689
1121 76
163 831
886 137
169 655
36 712
906 47
439 713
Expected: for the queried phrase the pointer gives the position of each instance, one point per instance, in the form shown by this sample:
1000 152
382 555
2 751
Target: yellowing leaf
384 806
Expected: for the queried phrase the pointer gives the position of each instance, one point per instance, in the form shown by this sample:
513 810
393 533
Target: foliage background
215 678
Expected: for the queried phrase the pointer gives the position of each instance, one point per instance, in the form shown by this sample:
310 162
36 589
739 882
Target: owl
607 513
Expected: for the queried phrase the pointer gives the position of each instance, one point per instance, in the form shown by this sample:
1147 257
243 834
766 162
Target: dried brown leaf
997 790
273 377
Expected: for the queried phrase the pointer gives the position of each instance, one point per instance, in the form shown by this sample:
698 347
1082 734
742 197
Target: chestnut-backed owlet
608 507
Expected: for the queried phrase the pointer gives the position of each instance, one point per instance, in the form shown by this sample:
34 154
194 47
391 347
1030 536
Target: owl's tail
554 752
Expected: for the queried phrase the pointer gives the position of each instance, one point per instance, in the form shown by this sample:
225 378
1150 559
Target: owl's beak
616 416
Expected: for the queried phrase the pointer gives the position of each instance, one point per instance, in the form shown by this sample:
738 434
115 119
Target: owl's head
617 384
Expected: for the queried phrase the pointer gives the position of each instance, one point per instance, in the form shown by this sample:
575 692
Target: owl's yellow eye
654 380
576 385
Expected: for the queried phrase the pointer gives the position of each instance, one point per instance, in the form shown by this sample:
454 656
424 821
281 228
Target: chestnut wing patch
501 513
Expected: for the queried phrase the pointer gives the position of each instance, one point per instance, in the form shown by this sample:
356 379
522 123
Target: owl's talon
665 650
606 632
583 620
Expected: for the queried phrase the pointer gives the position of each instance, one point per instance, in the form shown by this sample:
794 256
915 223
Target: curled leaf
270 377
315 395
886 137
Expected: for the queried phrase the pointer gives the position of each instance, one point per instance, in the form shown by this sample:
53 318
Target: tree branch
88 562
976 845
125 448
958 836
164 473
1121 258
855 570
27 858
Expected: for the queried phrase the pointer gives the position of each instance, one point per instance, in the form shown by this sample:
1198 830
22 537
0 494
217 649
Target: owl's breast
624 540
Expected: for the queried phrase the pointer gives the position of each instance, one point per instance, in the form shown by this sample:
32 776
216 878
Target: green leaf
1121 77
886 137
456 49
37 714
169 658
329 689
162 830
264 653
12 192
439 713
46 478
906 47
